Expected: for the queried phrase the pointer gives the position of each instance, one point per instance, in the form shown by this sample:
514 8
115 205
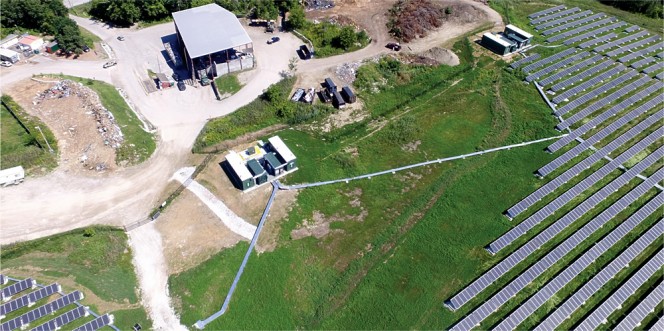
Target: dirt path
151 269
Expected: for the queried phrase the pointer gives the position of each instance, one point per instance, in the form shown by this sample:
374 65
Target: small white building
9 55
11 176
32 41
9 41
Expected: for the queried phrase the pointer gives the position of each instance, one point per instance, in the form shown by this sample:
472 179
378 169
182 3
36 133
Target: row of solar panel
580 29
546 11
563 20
605 132
41 311
615 301
63 319
596 92
17 287
643 309
568 274
550 17
659 66
639 53
641 63
660 76
606 63
573 24
621 41
97 323
566 176
600 279
29 299
601 103
633 45
527 277
520 254
589 83
598 40
549 59
523 61
569 70
596 121
594 33
556 66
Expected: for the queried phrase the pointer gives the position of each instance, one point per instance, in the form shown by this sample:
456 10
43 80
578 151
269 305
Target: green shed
279 147
259 174
273 165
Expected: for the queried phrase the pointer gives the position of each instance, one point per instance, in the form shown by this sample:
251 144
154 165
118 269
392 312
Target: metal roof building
240 172
280 147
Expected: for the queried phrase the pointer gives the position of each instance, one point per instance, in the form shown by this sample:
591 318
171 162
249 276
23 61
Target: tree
123 12
153 9
296 18
273 94
68 35
347 37
292 65
267 10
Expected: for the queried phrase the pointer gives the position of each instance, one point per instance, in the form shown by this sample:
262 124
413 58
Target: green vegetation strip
228 84
21 143
139 144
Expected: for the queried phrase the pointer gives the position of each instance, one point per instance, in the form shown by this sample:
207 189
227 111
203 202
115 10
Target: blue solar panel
40 312
634 45
621 41
599 40
644 308
550 17
556 66
590 83
659 66
523 61
580 29
573 24
594 93
574 68
593 33
546 11
96 324
63 319
548 60
28 299
17 287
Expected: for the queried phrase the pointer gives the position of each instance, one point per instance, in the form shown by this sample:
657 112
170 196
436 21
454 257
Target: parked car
86 48
181 85
6 64
120 38
394 46
110 64
273 40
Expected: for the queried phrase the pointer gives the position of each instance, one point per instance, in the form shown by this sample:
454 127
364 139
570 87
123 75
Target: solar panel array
647 306
583 75
589 83
621 41
660 76
599 40
579 30
601 103
546 11
509 291
63 319
605 132
29 299
659 325
546 18
642 52
562 142
643 62
615 301
556 66
566 176
594 33
564 20
96 324
633 45
569 273
595 92
41 311
660 55
523 61
655 67
571 69
600 279
573 24
548 60
17 287
633 28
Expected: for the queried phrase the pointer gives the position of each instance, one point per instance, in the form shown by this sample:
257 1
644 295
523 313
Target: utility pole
46 140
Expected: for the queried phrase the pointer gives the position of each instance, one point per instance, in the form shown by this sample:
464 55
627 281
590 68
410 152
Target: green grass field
228 84
95 259
139 144
19 147
394 268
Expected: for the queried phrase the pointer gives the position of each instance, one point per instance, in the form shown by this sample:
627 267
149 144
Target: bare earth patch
319 225
411 147
86 132
191 233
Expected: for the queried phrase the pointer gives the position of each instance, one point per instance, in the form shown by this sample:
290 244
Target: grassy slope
18 147
100 263
393 269
228 84
143 142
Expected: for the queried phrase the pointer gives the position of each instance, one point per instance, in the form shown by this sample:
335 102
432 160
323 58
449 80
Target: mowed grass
139 144
228 84
96 259
420 233
19 147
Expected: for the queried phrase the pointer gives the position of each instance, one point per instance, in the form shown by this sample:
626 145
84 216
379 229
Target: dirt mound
441 55
413 19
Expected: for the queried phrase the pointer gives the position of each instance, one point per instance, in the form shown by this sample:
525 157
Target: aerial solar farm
18 307
604 84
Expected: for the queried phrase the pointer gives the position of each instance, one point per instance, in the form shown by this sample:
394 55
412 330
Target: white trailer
9 55
11 176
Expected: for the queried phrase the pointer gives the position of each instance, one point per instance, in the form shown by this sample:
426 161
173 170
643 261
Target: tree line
46 16
651 8
128 12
